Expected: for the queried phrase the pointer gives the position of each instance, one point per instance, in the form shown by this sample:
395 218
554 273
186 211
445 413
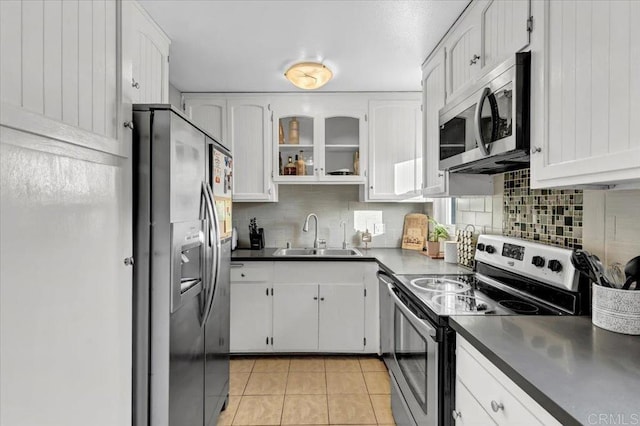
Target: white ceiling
245 46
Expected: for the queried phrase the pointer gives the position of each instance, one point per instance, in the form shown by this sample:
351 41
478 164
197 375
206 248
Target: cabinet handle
474 60
134 83
536 149
321 299
440 174
496 406
128 261
128 125
371 187
242 275
456 414
315 298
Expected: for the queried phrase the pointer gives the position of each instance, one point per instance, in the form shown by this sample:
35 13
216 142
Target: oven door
415 351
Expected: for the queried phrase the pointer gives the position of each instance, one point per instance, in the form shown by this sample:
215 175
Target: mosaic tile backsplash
550 216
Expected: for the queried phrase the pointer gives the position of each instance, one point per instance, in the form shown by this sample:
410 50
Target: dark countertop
579 373
393 260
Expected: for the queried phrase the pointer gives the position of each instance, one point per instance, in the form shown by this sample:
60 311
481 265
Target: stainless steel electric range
511 277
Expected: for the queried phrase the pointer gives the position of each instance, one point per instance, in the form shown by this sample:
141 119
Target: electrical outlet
378 228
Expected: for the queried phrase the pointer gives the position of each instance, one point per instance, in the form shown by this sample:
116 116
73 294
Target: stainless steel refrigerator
182 250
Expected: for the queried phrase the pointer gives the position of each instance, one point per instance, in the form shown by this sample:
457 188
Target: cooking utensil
590 266
615 275
632 272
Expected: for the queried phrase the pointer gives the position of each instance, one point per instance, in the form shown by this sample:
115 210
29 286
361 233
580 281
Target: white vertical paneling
247 138
98 65
555 83
583 79
568 87
32 56
70 62
111 95
600 73
85 65
634 72
619 78
11 52
53 59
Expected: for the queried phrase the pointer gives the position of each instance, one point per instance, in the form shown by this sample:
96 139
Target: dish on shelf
340 172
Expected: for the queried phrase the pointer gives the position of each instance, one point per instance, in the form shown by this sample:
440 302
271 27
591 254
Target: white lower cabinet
485 392
251 306
295 317
304 307
468 410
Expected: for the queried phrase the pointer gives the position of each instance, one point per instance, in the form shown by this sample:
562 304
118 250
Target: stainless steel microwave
486 129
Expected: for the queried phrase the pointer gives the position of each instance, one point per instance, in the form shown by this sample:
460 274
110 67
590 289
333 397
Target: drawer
251 271
503 407
468 411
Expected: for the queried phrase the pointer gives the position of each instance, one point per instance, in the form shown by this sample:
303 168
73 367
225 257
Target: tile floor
331 390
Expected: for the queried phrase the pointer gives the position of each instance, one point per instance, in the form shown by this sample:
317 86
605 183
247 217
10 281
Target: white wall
175 97
282 221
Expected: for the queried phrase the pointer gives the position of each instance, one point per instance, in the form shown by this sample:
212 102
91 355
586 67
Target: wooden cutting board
414 234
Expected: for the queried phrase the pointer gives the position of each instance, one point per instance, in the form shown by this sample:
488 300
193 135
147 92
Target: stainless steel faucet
305 228
344 239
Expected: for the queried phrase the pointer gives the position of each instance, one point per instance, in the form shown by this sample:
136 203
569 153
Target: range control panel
548 264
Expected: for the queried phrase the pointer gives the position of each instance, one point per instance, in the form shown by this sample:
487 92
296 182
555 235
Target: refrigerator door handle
215 240
209 288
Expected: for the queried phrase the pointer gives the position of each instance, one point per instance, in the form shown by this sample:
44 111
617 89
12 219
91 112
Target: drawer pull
242 275
496 406
456 415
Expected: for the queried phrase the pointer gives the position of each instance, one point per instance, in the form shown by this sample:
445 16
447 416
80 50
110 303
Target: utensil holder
616 310
467 240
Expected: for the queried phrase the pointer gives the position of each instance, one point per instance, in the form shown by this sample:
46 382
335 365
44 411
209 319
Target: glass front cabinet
319 147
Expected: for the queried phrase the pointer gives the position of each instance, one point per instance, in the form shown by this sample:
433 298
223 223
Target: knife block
257 239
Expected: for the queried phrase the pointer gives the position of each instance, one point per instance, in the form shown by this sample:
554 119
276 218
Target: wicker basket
616 310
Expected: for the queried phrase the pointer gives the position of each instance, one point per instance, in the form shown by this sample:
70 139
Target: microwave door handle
478 121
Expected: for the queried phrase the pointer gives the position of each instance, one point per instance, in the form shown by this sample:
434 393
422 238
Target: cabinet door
395 144
587 130
250 317
149 49
467 410
463 52
341 152
341 324
296 134
249 127
505 31
433 87
295 317
210 113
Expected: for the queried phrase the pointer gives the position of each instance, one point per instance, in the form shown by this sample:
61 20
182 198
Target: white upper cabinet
586 93
68 88
329 130
463 52
243 124
433 89
249 129
395 149
504 29
145 56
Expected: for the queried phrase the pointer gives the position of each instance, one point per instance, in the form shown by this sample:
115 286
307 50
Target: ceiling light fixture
308 75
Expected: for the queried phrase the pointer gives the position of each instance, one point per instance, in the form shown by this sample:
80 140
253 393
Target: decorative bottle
290 168
300 169
294 136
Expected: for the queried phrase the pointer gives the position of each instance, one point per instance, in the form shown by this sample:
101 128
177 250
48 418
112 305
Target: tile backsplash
282 221
550 216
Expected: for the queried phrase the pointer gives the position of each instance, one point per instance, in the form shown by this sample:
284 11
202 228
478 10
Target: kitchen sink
334 252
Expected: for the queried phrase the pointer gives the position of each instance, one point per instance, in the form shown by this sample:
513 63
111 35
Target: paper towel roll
451 251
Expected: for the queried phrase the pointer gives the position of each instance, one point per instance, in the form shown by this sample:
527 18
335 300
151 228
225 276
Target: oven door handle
478 121
421 325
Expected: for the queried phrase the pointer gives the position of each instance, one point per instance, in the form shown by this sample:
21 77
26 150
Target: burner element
458 303
440 285
518 306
